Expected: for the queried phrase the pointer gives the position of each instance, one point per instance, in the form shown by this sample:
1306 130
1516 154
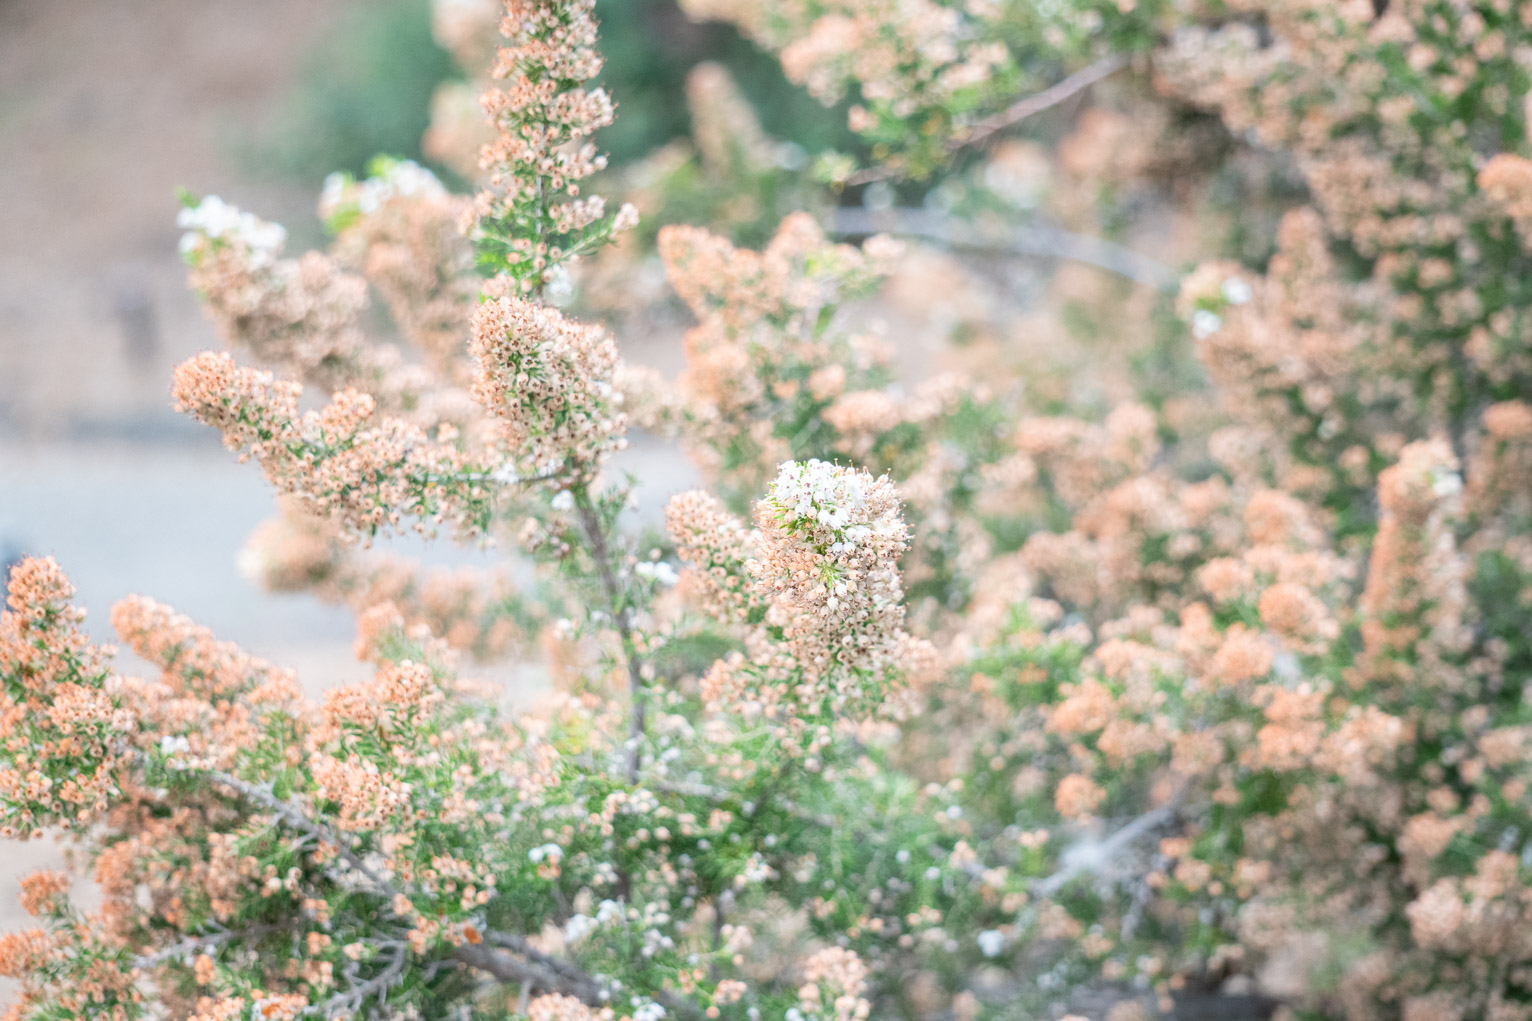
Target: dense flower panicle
475 610
194 661
213 223
69 971
1414 603
1282 355
1083 461
816 592
1500 471
44 893
543 119
1078 796
767 353
548 379
404 230
63 730
391 702
718 546
907 60
365 471
1507 181
799 271
301 316
298 314
366 797
834 981
830 543
211 696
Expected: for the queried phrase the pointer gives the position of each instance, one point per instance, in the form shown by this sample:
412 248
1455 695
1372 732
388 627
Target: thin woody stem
1103 853
1014 114
298 820
529 965
595 534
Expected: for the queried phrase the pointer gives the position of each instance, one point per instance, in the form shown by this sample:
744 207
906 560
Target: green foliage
365 88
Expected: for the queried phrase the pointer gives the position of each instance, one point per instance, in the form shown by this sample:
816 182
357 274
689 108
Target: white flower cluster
649 1011
578 927
214 219
827 566
657 571
1205 323
393 178
821 494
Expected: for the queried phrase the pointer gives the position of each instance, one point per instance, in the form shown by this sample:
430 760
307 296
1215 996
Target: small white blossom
1205 324
657 571
578 927
215 219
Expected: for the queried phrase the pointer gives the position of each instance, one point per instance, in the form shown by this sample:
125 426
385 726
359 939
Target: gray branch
1032 241
1099 856
1027 106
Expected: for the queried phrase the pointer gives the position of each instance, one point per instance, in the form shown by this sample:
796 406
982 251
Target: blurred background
106 110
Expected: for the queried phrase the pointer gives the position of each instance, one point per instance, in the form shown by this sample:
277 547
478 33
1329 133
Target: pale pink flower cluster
822 571
68 730
902 55
831 538
303 316
762 345
365 471
548 380
834 981
1414 602
404 230
718 546
544 118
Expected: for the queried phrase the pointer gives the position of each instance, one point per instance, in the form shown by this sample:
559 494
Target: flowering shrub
1058 683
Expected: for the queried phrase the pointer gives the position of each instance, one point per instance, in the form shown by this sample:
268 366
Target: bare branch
1098 856
590 523
1036 103
1028 106
1033 240
298 820
349 1002
207 941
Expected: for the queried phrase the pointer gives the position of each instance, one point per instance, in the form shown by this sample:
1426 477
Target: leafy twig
595 534
1028 106
1098 856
